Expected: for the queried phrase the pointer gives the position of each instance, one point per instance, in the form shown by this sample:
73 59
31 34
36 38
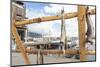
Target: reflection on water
72 44
91 58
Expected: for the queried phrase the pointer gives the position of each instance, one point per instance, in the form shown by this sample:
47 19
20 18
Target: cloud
34 14
52 9
54 27
39 27
72 27
56 8
46 28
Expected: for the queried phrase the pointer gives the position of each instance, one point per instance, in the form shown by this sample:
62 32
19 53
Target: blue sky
34 10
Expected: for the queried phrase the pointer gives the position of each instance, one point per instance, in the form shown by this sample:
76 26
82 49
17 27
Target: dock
33 59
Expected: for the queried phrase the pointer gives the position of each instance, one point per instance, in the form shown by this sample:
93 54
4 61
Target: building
18 8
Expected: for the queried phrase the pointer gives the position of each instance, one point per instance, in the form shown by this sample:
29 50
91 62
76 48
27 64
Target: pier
40 52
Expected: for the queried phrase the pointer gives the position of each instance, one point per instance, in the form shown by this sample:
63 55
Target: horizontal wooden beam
46 52
91 52
51 18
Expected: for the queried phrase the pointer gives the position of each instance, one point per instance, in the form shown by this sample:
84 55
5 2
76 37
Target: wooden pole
40 56
20 44
81 25
51 18
46 52
18 41
37 58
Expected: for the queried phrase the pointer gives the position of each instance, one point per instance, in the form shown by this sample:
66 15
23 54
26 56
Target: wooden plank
51 18
18 41
20 45
92 52
81 25
46 52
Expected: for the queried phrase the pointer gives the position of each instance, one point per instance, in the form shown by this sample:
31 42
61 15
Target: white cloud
52 9
45 28
72 27
39 27
33 14
56 8
91 7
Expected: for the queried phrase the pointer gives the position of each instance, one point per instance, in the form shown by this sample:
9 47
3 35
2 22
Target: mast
63 30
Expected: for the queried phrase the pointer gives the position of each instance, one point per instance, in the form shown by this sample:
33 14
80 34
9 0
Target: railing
81 24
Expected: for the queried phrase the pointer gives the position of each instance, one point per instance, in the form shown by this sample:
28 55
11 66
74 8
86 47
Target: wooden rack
81 24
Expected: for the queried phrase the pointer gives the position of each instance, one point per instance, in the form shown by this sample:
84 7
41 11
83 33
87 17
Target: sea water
91 58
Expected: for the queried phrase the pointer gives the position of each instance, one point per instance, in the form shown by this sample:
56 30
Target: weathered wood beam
51 18
90 52
40 56
46 52
81 26
19 42
20 45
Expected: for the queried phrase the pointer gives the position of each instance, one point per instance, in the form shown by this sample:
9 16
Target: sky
52 28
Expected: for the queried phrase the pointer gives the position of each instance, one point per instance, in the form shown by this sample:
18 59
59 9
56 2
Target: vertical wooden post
81 25
40 56
26 35
18 41
37 58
